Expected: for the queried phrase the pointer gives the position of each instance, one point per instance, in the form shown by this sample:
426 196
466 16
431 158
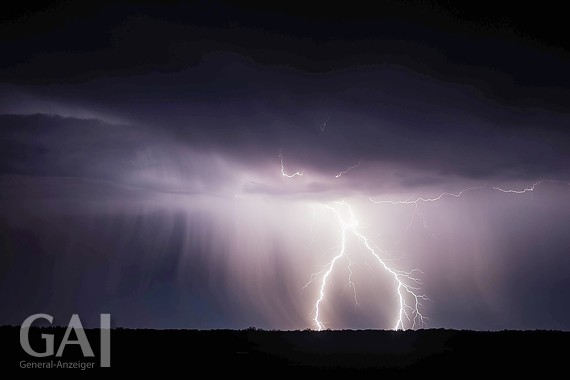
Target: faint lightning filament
283 169
526 190
420 199
348 169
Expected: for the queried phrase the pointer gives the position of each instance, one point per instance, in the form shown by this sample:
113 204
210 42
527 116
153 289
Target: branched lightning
410 299
283 169
407 284
348 169
416 202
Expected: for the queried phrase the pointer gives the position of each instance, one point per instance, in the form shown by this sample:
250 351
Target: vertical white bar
105 340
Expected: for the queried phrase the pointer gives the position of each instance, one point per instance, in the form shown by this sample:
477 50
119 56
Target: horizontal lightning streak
421 199
459 194
529 189
416 201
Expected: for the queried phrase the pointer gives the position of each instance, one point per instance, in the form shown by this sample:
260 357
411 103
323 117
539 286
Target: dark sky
140 171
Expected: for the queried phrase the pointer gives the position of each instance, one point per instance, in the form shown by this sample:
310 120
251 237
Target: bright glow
409 314
407 289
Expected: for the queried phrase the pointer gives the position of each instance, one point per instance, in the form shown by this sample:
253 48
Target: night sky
141 149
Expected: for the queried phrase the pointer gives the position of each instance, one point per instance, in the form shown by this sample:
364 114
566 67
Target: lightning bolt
283 169
348 169
406 283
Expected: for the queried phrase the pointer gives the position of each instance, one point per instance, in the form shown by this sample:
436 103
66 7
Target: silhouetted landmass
445 352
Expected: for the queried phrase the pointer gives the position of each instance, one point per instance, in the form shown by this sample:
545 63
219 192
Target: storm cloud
141 147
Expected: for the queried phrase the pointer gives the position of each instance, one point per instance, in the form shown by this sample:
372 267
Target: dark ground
445 352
